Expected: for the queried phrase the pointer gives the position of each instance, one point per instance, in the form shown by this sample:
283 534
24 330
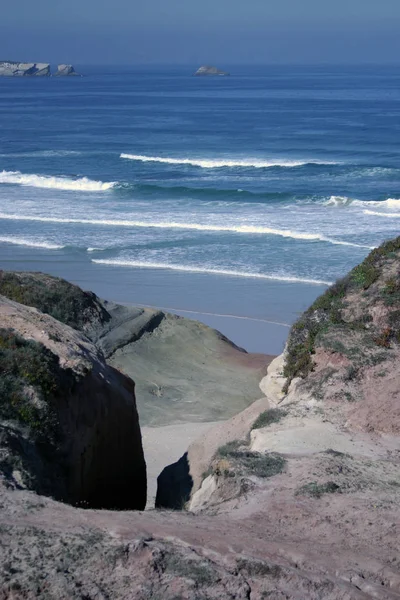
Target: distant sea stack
66 71
207 71
18 69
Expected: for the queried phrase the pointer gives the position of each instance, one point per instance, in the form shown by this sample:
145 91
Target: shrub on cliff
30 377
56 297
375 280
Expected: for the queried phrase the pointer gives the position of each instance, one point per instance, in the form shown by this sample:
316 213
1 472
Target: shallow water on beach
241 196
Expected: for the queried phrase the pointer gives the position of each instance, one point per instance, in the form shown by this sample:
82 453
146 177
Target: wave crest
27 242
249 229
56 183
392 203
214 163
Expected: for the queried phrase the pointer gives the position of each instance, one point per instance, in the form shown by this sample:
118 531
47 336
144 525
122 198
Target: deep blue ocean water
275 178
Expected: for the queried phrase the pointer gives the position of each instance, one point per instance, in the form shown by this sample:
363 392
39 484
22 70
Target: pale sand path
165 445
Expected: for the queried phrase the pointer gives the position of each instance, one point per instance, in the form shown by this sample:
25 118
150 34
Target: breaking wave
57 183
214 163
193 269
31 243
392 203
382 214
248 229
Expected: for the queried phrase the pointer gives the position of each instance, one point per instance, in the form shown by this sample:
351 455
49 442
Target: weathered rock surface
69 425
18 69
66 71
208 71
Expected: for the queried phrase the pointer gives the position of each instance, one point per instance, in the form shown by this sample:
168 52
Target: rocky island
66 71
295 496
21 69
208 71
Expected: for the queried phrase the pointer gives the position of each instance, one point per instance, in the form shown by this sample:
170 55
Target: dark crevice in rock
174 485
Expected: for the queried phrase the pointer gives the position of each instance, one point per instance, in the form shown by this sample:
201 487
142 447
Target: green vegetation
230 448
273 415
316 490
30 379
254 463
326 314
199 570
257 568
56 297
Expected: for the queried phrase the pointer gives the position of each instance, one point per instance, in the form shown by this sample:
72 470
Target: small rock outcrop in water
19 69
69 426
209 71
66 71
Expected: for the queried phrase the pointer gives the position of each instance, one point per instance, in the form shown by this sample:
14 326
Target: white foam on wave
392 203
193 269
382 214
31 243
56 183
214 163
248 229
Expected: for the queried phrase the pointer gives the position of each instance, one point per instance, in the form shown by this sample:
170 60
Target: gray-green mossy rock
184 371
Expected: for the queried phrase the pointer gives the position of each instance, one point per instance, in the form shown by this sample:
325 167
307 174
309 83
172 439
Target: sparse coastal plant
30 376
316 490
327 315
272 415
238 459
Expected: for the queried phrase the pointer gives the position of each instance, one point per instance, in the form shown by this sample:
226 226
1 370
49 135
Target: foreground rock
68 422
66 71
17 69
207 71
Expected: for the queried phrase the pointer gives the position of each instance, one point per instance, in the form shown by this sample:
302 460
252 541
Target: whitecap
28 242
214 163
58 183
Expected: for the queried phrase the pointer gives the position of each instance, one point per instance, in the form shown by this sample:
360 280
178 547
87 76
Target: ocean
234 199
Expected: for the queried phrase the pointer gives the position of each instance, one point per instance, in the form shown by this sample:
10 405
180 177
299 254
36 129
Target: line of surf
381 214
215 163
193 269
82 184
30 243
339 201
246 229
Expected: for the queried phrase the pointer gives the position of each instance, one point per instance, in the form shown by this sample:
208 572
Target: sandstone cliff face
16 69
69 424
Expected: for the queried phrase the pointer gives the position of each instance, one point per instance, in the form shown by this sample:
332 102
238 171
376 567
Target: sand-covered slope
184 371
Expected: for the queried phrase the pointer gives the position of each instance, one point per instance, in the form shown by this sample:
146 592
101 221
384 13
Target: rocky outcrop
156 349
310 468
16 69
68 421
208 71
66 71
